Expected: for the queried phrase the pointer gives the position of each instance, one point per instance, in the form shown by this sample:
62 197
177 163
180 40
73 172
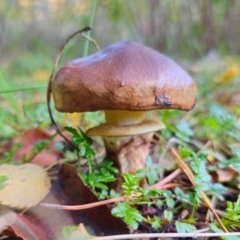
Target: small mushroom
125 80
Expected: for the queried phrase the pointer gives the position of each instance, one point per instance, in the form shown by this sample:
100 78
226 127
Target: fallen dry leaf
25 185
17 225
223 175
30 137
99 218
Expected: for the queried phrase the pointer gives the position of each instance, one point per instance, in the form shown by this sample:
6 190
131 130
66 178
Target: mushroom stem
128 154
123 118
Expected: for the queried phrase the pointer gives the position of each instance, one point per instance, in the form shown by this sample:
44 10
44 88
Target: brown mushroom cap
123 76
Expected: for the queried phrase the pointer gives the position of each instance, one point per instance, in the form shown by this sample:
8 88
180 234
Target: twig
166 235
49 89
160 185
83 206
169 185
166 179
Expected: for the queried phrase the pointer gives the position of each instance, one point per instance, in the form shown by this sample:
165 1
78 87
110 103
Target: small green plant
101 175
203 179
184 227
152 171
98 175
232 214
130 215
9 156
135 196
84 143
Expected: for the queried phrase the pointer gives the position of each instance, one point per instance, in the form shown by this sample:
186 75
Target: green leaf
235 162
152 174
152 192
152 171
159 203
156 223
71 130
100 185
216 189
184 132
184 128
130 215
189 196
167 193
79 137
170 202
140 173
168 215
185 152
66 232
3 179
82 151
130 184
40 145
8 156
184 227
103 194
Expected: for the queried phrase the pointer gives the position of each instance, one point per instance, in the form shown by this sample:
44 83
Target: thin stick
167 179
83 206
49 89
166 235
159 185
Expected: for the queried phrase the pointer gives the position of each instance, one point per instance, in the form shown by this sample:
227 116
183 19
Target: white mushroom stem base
129 155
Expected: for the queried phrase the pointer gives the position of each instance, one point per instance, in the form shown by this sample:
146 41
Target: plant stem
85 53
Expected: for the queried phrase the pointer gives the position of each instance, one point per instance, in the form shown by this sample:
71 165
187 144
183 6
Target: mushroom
125 80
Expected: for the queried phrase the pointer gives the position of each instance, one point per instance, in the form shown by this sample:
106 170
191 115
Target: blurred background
187 27
200 35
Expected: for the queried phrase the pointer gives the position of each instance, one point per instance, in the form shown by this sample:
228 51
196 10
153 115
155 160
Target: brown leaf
47 223
21 226
28 228
223 175
99 218
52 221
31 137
